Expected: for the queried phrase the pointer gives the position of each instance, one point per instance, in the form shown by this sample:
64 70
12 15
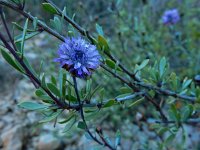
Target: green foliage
31 105
49 8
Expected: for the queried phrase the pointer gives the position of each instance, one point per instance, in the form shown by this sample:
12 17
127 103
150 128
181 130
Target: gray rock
12 139
1 143
1 125
48 142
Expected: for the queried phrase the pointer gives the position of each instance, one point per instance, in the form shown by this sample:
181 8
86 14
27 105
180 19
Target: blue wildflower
78 57
170 17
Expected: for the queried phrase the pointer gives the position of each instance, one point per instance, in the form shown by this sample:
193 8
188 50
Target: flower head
78 57
170 17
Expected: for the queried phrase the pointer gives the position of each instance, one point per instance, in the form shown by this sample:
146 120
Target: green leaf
170 139
69 124
174 114
23 36
162 66
31 105
141 66
49 8
118 138
53 80
71 98
39 92
187 112
53 89
46 99
35 21
19 38
43 81
112 64
186 83
109 103
51 117
162 130
99 29
70 116
103 44
29 66
21 28
124 90
81 125
136 103
62 83
9 59
56 23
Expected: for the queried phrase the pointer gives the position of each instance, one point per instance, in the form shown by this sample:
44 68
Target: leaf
9 59
31 105
174 113
81 125
88 89
170 139
46 99
51 117
124 90
29 66
109 103
35 21
69 124
118 138
141 66
49 8
71 98
99 29
162 130
112 64
103 44
186 83
53 89
56 23
39 93
53 80
19 38
23 36
137 102
187 112
62 83
162 66
71 115
63 15
21 28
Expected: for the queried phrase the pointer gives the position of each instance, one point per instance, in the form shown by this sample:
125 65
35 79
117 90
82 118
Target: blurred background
135 32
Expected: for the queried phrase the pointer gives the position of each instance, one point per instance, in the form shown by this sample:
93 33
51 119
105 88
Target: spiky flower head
78 56
170 17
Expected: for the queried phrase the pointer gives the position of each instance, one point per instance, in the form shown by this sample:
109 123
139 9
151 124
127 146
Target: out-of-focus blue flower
78 57
170 17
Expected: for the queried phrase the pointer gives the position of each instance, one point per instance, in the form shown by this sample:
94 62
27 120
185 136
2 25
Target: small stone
12 139
1 125
48 141
1 143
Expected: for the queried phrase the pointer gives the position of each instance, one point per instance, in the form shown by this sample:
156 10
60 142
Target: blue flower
78 56
170 17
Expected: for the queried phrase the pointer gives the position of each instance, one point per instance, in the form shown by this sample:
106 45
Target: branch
146 95
83 118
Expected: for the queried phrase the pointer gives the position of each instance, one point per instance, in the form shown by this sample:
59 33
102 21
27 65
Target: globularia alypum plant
80 56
